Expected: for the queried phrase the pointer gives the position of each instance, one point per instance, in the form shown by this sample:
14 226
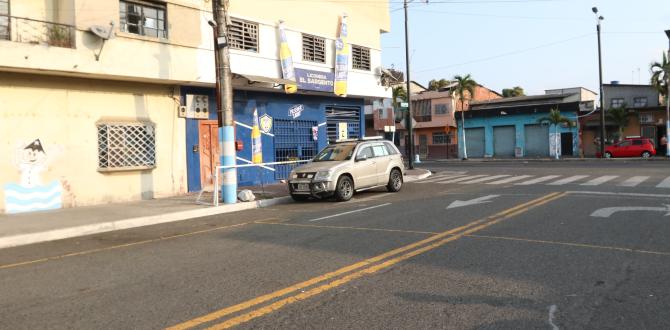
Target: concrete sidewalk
35 227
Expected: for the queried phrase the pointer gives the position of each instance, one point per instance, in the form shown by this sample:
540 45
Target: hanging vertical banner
256 144
286 59
342 59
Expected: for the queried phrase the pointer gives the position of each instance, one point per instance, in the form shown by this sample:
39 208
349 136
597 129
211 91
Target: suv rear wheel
395 181
608 155
344 189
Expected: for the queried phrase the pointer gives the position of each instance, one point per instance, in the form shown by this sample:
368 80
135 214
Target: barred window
125 146
422 110
143 18
313 48
640 102
441 138
243 35
360 57
4 19
441 109
617 103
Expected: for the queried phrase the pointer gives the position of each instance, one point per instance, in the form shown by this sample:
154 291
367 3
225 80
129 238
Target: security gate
504 141
537 140
349 115
474 139
293 141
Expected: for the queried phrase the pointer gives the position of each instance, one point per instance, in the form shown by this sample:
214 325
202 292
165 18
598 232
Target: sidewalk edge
412 178
57 234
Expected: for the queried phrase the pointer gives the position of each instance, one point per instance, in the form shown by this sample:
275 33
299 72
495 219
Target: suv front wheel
395 181
344 189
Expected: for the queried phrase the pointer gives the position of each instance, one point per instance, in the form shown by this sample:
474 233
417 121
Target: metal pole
410 131
667 102
225 110
602 97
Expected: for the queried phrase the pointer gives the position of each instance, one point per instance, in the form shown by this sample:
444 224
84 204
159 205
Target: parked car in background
347 166
631 147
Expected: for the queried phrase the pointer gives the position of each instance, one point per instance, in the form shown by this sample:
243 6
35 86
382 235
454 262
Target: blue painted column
229 182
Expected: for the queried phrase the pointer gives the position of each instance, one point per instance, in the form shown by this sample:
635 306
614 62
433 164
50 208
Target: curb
57 234
412 178
544 160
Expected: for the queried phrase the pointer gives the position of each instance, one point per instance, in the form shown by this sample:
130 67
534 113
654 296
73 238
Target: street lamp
667 101
600 73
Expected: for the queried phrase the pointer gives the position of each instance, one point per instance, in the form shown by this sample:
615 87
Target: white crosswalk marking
509 180
538 180
665 183
567 180
441 177
633 181
469 177
600 180
485 179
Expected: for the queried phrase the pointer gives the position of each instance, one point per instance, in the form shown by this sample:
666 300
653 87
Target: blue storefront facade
512 132
295 127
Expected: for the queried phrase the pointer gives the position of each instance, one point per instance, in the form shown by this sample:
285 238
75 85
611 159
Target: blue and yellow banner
342 59
256 144
286 59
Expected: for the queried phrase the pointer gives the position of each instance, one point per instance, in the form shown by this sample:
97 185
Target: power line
506 54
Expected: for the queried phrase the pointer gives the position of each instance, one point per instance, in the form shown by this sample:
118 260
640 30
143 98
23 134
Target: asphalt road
565 245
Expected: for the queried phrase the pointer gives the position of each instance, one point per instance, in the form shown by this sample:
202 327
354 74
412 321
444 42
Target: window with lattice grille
313 48
126 146
243 35
360 57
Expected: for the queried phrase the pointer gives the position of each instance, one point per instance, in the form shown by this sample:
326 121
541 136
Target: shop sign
311 80
296 110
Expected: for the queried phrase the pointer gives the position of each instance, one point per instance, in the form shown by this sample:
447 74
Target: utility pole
225 107
602 96
410 131
667 101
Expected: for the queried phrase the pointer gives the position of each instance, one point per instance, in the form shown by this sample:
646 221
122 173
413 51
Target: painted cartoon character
30 194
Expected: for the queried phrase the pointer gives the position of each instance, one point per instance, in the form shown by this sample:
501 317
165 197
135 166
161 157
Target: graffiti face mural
30 194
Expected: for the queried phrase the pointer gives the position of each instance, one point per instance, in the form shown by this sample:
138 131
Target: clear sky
535 44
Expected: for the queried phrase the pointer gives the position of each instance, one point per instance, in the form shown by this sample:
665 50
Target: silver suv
347 166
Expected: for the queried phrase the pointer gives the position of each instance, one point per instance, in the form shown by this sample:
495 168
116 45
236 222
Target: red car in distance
631 147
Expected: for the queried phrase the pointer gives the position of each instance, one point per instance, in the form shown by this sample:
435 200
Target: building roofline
553 89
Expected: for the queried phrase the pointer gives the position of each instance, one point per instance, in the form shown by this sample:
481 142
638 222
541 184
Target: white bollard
416 159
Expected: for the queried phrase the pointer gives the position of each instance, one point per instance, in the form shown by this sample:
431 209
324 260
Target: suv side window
637 142
365 151
380 150
390 148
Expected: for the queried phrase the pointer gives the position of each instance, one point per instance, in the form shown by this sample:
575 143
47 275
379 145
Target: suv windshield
336 152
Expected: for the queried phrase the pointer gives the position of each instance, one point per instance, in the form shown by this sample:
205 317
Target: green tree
436 85
555 118
660 75
512 92
399 93
464 89
620 117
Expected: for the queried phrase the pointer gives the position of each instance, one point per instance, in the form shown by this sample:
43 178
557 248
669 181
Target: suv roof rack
366 138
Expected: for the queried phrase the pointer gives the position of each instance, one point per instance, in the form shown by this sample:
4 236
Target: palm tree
436 85
620 117
660 78
399 92
465 88
555 118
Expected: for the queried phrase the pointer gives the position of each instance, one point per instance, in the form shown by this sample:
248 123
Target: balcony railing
32 31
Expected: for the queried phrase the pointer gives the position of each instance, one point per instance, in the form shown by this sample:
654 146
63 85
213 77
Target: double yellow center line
349 273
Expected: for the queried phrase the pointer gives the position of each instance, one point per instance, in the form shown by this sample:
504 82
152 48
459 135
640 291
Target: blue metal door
293 141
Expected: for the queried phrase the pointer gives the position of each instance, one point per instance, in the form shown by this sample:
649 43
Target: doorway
566 144
208 142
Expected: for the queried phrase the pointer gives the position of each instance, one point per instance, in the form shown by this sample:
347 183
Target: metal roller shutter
504 141
349 115
537 140
474 138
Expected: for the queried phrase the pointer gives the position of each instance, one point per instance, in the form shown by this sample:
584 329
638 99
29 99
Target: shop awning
278 81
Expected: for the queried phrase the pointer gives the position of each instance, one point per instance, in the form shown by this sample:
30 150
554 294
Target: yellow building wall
62 113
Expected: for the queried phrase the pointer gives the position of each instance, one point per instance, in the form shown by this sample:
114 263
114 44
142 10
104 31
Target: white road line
606 193
485 179
538 180
599 180
469 177
633 181
349 212
665 183
442 177
567 180
509 180
552 314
